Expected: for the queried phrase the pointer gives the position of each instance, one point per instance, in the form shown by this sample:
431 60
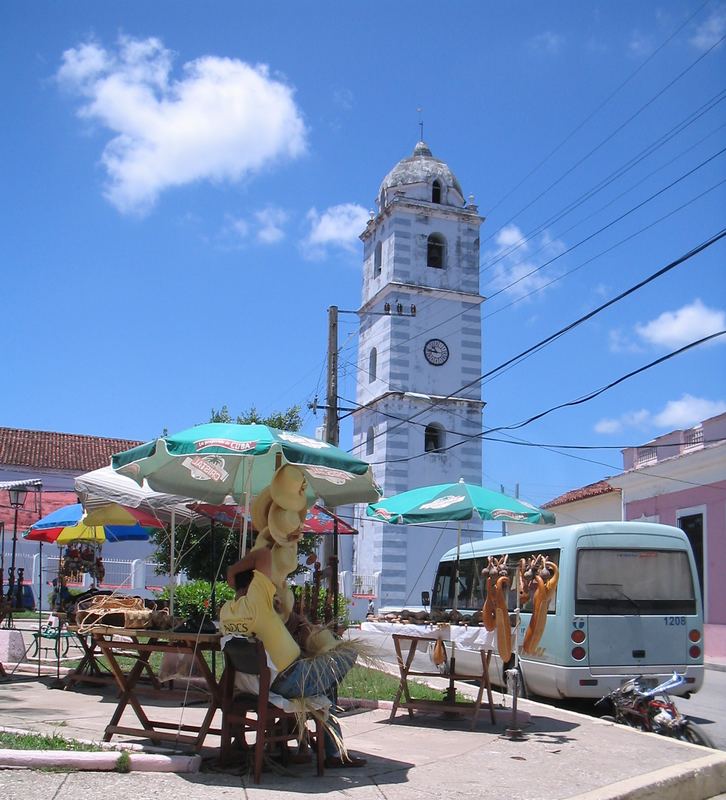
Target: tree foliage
289 420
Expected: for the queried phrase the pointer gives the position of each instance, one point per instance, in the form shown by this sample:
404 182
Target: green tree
289 420
196 553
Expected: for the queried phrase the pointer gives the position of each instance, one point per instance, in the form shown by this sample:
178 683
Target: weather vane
420 121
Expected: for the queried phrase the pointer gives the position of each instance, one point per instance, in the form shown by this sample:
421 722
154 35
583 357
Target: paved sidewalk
564 755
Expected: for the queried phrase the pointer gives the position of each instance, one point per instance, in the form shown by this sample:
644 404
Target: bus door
637 603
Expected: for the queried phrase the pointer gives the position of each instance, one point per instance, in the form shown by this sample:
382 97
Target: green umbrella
447 502
213 461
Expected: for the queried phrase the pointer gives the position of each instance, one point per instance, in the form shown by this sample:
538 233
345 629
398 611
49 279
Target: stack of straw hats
282 506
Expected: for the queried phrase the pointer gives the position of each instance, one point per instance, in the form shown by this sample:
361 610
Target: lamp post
17 501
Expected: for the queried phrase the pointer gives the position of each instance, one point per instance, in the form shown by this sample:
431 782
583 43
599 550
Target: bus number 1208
674 620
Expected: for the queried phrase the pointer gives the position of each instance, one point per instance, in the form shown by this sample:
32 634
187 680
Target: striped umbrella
68 524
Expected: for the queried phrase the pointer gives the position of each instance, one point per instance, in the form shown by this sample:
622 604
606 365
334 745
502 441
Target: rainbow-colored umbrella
68 524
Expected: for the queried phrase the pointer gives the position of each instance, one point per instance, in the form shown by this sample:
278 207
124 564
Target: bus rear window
634 582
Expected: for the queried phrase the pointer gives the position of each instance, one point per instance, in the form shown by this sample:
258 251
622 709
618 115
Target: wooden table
411 639
193 645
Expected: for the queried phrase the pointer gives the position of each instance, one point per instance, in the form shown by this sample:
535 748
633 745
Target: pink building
680 479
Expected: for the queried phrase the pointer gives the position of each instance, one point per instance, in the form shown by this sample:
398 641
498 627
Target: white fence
139 578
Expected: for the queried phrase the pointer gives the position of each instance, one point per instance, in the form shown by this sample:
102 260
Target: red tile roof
591 490
49 450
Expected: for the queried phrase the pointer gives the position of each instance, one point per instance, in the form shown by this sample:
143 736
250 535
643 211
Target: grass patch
362 683
123 764
40 741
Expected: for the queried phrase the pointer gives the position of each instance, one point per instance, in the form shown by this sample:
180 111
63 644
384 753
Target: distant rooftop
49 450
591 490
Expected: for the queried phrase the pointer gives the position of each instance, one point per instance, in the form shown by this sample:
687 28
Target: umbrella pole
456 567
171 562
334 573
245 514
40 598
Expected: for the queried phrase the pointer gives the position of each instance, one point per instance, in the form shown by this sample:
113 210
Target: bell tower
418 397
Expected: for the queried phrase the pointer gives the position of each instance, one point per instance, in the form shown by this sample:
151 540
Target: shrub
194 598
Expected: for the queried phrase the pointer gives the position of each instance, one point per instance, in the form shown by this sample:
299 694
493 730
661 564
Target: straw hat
288 488
260 509
283 522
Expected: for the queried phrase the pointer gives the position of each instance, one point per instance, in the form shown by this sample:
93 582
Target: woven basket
115 612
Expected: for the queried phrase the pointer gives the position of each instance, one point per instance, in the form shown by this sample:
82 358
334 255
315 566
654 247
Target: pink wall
711 497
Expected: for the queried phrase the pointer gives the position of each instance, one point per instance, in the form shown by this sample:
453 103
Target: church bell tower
419 403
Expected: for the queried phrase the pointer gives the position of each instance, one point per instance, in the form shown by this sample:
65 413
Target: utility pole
332 436
332 428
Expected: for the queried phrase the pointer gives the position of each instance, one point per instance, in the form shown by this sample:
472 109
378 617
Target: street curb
698 780
714 665
106 761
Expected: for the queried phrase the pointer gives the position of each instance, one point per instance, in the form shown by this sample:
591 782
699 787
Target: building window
436 192
433 438
693 438
370 436
377 259
372 365
435 251
646 455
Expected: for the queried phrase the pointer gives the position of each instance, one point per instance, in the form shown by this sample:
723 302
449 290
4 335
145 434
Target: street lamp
17 501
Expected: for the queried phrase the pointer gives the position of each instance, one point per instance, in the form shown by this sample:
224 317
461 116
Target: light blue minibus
628 602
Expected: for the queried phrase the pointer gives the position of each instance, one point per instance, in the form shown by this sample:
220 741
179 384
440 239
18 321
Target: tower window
372 365
436 192
435 251
377 259
433 438
370 436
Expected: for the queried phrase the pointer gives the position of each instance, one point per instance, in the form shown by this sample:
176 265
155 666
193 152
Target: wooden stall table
190 644
460 637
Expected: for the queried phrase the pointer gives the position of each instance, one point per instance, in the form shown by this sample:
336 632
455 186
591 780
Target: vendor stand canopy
68 524
213 461
454 502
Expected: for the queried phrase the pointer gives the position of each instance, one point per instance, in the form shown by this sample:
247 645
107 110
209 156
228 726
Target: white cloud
675 329
687 412
338 226
710 30
620 342
676 414
547 42
223 120
271 220
640 44
631 419
515 270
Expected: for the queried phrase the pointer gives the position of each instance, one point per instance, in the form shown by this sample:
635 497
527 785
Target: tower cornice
403 203
438 294
438 400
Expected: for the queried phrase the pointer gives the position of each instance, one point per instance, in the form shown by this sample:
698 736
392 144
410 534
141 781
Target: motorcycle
652 710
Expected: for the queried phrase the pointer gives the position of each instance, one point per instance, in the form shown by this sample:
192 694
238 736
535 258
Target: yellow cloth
253 615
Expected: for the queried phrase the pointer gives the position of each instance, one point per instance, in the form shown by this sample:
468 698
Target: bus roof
551 537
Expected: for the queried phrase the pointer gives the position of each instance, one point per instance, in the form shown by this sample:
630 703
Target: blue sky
185 183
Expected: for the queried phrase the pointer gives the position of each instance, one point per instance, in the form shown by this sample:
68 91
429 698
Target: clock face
436 352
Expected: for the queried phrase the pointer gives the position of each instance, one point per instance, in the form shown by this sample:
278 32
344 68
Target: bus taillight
578 653
694 635
578 636
694 651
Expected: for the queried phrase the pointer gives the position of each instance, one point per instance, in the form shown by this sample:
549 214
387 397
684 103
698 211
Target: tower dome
415 177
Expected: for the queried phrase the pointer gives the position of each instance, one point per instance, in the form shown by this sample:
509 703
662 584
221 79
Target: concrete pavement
564 755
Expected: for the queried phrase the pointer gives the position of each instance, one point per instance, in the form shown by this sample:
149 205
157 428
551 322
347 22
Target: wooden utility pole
332 436
332 429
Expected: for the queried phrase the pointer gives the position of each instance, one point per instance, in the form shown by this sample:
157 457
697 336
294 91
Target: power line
605 182
579 401
602 105
611 135
571 326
